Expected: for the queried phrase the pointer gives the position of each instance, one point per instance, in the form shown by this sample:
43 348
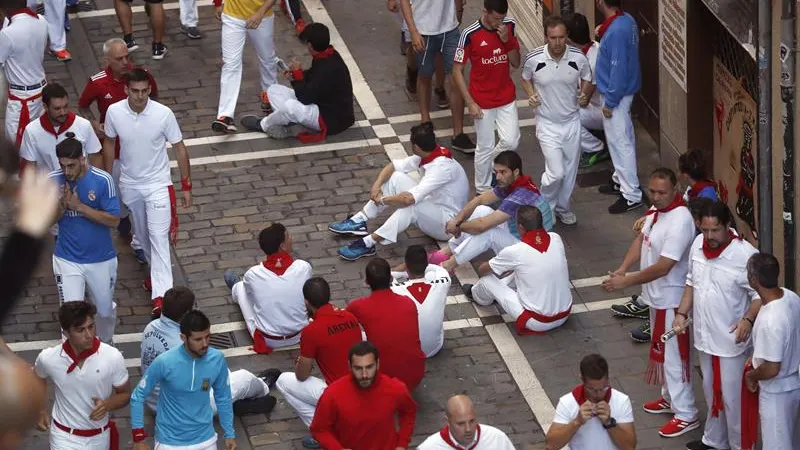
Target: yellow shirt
244 9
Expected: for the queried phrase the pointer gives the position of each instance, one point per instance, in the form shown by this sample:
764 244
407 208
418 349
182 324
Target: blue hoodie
160 335
184 414
618 72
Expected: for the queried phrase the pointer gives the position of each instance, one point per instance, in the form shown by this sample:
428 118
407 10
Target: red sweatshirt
349 417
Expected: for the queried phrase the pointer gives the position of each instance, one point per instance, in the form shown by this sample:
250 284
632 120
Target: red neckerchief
48 125
323 54
27 11
439 151
538 239
278 262
712 253
580 394
524 182
84 354
607 23
444 433
698 186
419 291
585 49
676 202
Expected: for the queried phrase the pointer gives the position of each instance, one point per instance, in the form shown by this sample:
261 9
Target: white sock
359 217
369 242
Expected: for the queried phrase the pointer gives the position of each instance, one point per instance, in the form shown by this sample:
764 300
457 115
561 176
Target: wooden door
646 105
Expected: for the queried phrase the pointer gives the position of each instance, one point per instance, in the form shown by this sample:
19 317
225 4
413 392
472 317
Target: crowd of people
703 286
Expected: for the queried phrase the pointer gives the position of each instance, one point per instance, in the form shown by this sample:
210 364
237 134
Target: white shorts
210 444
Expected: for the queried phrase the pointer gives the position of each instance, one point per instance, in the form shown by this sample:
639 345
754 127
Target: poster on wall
735 147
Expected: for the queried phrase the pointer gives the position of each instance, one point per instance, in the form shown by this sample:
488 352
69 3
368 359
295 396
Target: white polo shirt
722 296
278 301
443 183
22 45
591 435
101 372
591 55
39 145
555 81
430 297
143 137
486 438
542 279
670 237
433 17
776 338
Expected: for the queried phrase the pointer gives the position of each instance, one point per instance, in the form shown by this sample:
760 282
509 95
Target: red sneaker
147 285
659 406
158 302
677 427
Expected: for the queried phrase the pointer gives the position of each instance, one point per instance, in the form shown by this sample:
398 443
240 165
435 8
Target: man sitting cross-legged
271 293
428 204
478 227
543 299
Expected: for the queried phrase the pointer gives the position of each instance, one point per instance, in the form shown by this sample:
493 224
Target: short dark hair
717 210
70 147
529 217
362 348
422 136
498 6
317 35
317 292
136 75
693 163
75 314
271 238
664 173
697 204
765 268
14 4
613 3
416 260
510 159
51 91
594 367
578 28
178 300
379 274
193 322
553 21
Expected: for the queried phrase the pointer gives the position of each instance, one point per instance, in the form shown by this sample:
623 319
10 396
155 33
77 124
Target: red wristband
512 44
138 434
297 75
186 184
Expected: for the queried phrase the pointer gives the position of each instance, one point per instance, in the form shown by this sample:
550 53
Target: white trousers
301 395
243 385
780 418
61 440
234 34
14 108
151 214
210 444
468 246
239 295
188 12
679 394
561 147
725 430
54 11
72 281
591 119
429 217
490 289
504 119
622 147
123 210
287 109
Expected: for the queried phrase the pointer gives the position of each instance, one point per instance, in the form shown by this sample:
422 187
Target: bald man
21 398
462 430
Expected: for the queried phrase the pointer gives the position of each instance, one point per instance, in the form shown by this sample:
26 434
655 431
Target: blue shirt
80 239
523 197
617 69
184 414
160 335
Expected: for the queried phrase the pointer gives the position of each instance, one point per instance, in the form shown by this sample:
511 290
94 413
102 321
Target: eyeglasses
601 390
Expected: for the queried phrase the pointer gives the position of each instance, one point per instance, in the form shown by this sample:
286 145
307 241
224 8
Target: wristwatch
612 422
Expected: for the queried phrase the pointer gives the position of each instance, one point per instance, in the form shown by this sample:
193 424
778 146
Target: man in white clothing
542 300
426 284
271 293
54 12
776 354
723 307
462 430
594 416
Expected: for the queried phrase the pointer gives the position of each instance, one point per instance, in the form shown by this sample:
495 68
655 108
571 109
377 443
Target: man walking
55 14
155 11
463 430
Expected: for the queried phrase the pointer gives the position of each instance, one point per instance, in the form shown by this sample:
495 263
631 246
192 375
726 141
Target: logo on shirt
497 51
484 44
498 57
108 96
206 384
459 58
92 196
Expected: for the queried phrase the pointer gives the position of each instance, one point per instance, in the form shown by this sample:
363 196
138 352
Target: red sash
750 417
717 406
655 368
522 330
444 433
24 114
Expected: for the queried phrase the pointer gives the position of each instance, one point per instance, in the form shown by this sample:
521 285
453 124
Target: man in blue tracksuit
185 374
619 78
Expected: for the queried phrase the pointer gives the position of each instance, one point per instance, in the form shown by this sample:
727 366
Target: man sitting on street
428 204
271 293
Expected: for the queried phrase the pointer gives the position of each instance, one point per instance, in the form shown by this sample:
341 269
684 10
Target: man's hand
186 201
535 100
451 227
615 281
679 322
585 413
391 5
44 421
607 113
98 129
502 33
254 21
583 100
375 193
417 42
141 446
475 110
99 410
751 382
37 202
639 224
230 444
218 12
71 199
602 411
742 330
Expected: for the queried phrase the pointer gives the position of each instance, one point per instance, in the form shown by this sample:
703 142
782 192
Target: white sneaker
567 218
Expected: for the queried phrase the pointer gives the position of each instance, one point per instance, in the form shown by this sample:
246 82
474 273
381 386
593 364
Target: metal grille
735 57
222 341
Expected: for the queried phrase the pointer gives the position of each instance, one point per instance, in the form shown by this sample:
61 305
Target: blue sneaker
231 278
310 442
349 226
139 255
355 250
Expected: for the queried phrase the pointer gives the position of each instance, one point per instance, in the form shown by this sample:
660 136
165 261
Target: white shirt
444 182
278 301
591 435
433 17
143 138
555 81
101 372
776 338
39 145
722 296
430 297
22 46
670 237
591 55
488 438
542 279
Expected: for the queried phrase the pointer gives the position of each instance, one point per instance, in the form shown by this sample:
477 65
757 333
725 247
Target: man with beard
462 430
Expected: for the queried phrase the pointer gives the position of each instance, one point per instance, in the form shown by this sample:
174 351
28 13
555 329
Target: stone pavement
243 182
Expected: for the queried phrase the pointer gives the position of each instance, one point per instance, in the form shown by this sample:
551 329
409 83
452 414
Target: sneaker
283 131
258 405
251 123
411 81
270 376
466 289
463 143
677 427
658 406
158 303
633 308
62 55
131 43
266 106
349 227
623 205
698 445
609 189
223 124
437 257
191 32
159 50
299 26
591 159
147 285
310 442
231 277
442 102
567 218
642 333
124 228
140 256
356 249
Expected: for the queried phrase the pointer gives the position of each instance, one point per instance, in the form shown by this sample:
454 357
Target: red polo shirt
328 339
